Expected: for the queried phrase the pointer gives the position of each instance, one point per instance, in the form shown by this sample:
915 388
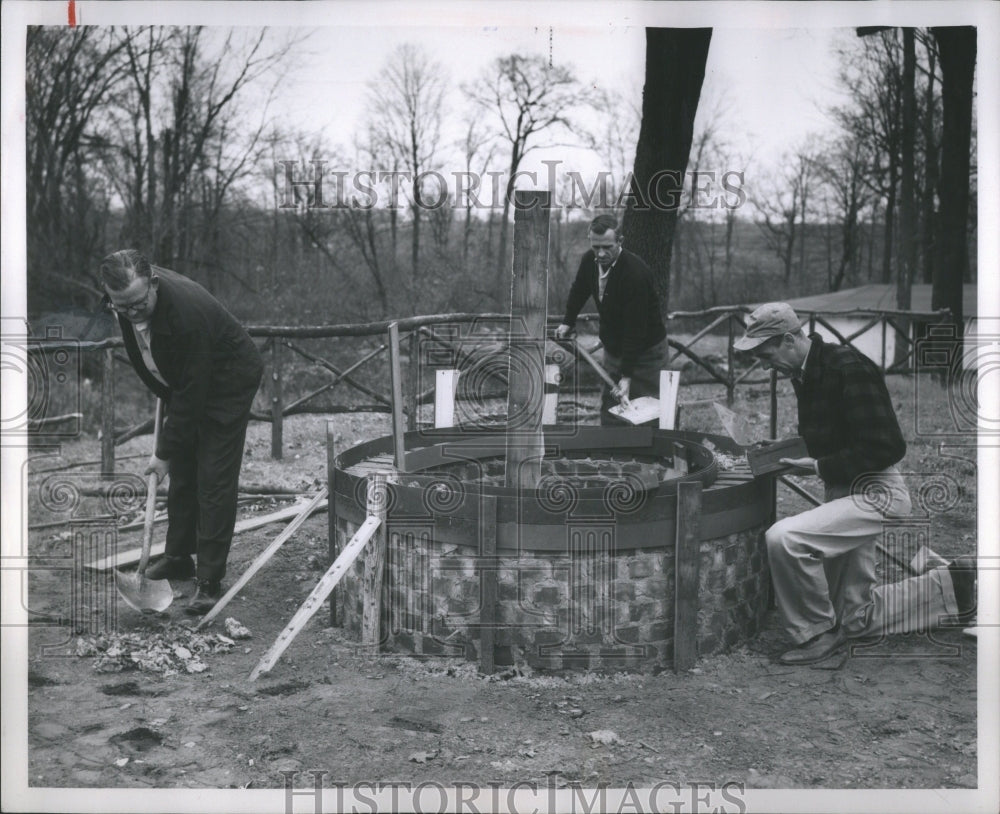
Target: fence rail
278 338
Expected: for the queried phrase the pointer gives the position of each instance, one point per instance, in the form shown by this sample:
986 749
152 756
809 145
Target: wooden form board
318 595
488 583
686 568
670 381
371 609
445 388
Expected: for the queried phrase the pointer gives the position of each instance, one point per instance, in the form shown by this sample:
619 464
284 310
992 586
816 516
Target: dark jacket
630 310
846 415
210 363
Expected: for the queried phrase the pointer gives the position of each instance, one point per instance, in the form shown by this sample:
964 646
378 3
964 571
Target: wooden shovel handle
147 527
592 362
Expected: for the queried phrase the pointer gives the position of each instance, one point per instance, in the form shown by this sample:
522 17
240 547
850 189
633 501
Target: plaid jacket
845 414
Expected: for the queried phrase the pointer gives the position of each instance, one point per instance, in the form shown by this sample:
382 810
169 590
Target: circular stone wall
584 563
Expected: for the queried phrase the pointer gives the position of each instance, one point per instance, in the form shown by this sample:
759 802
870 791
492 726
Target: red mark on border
72 13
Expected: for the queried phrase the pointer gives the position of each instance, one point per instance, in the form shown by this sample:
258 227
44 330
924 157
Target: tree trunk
930 173
908 213
957 48
907 205
675 70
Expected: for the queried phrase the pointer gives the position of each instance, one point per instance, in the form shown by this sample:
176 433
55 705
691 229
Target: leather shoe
204 599
168 567
816 649
963 580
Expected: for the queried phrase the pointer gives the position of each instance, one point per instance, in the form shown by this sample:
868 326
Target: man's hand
802 466
158 465
621 391
563 331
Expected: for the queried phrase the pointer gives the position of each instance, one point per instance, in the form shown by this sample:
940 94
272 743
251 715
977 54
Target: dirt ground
902 714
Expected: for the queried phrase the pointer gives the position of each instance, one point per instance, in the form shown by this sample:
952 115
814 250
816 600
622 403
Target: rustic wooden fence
282 342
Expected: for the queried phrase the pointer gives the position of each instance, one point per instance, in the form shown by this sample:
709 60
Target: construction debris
235 629
175 649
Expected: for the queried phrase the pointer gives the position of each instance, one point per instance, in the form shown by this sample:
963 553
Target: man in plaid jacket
823 561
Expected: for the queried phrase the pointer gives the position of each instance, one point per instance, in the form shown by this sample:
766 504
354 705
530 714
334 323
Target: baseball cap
770 319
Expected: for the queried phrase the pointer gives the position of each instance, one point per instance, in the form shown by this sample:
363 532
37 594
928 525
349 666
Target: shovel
639 410
146 595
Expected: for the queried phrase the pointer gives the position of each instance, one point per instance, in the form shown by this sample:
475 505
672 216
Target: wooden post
396 375
528 311
331 512
413 383
445 387
731 362
108 414
371 597
686 566
883 343
774 403
488 583
276 427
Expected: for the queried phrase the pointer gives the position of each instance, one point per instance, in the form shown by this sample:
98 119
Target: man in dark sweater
194 355
823 561
632 330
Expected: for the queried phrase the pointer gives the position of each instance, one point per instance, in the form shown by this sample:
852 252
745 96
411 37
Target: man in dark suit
194 355
632 330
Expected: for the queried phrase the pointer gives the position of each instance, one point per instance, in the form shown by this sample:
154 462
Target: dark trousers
201 499
645 379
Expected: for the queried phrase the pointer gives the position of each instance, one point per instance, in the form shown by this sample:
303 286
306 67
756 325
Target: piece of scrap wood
319 594
132 555
264 556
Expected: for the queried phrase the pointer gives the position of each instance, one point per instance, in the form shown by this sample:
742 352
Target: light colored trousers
823 567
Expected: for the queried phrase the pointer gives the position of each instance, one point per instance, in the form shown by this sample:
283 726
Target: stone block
640 567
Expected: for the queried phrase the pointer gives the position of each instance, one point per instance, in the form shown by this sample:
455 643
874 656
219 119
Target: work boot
205 597
815 649
963 580
168 567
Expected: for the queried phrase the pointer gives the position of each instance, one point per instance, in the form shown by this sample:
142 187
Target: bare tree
843 168
406 100
525 96
70 75
782 205
478 149
181 135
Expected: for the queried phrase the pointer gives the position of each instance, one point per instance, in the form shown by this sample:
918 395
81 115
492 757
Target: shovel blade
144 595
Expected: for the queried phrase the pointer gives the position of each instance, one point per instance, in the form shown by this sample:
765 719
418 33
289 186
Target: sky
774 85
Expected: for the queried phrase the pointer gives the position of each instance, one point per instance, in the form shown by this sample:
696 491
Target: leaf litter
174 649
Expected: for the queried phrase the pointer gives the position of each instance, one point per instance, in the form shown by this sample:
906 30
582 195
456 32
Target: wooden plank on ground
263 557
686 567
319 594
132 555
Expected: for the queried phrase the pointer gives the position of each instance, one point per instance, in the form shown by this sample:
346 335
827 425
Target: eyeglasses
128 307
